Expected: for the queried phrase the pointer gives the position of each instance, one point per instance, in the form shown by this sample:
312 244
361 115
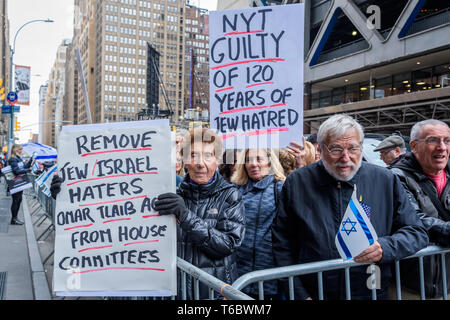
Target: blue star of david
352 228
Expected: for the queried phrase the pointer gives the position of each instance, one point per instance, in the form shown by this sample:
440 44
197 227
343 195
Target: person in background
296 156
18 166
229 159
425 174
181 173
314 200
287 161
313 139
260 178
208 209
391 149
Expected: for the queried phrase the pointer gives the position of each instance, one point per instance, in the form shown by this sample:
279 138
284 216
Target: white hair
416 130
336 126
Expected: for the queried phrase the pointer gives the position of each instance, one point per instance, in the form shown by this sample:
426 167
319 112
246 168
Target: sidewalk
19 255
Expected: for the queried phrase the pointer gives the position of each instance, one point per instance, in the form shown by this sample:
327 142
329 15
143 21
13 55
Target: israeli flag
355 233
45 180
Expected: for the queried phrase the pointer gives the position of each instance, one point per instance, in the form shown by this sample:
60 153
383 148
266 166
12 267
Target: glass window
351 93
338 96
422 79
402 83
364 91
325 99
383 87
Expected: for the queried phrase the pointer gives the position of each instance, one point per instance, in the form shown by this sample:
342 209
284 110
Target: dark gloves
55 187
171 203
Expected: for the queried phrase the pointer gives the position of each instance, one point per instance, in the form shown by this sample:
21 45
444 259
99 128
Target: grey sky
37 44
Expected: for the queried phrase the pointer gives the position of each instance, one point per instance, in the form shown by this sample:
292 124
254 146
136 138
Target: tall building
5 65
53 110
42 98
70 105
196 88
112 38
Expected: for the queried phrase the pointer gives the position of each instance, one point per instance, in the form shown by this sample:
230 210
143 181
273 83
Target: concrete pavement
19 254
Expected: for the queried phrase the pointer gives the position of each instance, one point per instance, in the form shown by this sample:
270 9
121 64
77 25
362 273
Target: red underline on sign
95 248
265 131
115 176
252 108
225 89
258 84
247 61
93 170
129 244
113 201
152 215
112 151
227 136
120 268
242 32
123 219
84 226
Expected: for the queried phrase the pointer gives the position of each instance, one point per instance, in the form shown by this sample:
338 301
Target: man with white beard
314 200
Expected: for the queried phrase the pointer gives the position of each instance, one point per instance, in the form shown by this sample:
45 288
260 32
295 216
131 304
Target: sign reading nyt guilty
256 75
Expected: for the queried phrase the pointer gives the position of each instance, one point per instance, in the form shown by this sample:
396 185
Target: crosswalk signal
17 126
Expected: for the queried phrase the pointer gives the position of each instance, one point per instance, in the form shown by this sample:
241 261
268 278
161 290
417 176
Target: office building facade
112 37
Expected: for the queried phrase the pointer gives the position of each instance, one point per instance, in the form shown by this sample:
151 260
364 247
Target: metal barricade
336 264
213 284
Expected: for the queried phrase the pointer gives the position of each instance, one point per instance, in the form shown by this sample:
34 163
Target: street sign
12 97
7 109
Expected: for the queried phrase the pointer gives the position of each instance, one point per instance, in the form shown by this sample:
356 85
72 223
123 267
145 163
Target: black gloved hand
171 203
55 187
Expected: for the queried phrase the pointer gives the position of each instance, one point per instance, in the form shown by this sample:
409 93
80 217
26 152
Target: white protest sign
109 241
256 75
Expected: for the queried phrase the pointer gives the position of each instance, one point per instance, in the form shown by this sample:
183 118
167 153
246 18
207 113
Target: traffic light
17 126
2 91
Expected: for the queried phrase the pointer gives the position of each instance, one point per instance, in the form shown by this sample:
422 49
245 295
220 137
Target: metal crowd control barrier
319 267
48 204
214 284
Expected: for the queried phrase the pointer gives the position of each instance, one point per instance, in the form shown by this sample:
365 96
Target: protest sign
256 75
109 241
16 183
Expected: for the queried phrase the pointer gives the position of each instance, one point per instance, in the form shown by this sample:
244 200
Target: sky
37 43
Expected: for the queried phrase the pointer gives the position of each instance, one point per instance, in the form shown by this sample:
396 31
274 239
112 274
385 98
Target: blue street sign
12 97
7 109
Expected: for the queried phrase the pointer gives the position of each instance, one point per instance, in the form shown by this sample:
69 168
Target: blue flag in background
356 232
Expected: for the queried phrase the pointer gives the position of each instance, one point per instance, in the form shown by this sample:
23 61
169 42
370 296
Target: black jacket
18 166
435 215
311 209
213 229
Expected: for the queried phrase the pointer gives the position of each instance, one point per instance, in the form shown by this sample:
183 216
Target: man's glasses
383 153
337 152
435 141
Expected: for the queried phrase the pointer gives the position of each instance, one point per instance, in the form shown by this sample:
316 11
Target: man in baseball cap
391 149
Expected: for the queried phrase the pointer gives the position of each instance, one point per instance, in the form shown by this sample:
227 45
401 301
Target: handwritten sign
256 75
109 240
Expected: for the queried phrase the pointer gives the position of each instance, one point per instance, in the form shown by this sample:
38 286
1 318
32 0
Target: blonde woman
259 176
18 167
